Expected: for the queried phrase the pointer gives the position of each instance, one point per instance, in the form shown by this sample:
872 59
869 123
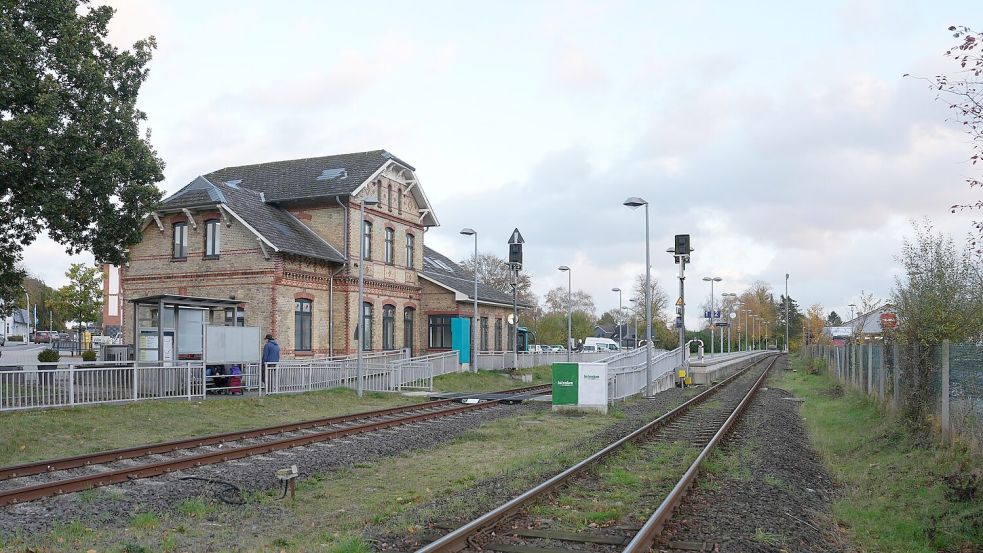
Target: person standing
271 354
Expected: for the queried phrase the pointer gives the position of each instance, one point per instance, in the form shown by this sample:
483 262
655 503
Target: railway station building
277 244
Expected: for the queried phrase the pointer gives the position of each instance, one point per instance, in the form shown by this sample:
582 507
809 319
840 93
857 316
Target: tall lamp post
474 320
747 329
621 319
569 273
28 337
711 280
359 370
765 324
634 319
635 202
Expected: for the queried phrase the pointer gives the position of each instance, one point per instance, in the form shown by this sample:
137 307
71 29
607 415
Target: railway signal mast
681 251
515 265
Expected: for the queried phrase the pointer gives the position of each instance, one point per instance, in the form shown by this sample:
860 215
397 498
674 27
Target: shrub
49 356
15 338
88 355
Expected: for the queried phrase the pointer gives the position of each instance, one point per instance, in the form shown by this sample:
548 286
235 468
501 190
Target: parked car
588 348
557 348
537 348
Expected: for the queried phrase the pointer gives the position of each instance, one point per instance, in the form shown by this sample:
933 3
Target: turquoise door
461 338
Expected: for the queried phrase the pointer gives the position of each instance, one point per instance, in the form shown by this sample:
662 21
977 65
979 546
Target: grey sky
783 138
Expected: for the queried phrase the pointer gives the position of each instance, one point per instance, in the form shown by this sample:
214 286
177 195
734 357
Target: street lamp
766 334
852 306
634 319
788 304
474 321
569 273
621 334
711 280
359 372
729 311
635 202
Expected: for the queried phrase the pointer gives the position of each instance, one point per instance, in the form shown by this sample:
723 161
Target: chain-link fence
941 384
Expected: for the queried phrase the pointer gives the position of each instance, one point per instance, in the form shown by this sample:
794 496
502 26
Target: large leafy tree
81 298
495 272
73 160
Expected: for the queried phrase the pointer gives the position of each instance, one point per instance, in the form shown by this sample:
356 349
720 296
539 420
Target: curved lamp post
636 202
474 320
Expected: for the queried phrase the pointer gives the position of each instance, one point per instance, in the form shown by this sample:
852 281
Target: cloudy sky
780 135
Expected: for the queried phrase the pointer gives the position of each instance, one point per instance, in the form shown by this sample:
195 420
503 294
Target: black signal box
682 244
515 254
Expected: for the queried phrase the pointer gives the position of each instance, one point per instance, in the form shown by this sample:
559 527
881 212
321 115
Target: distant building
16 324
868 325
276 245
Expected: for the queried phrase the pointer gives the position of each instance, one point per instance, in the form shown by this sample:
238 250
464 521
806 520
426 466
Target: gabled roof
21 316
277 227
439 269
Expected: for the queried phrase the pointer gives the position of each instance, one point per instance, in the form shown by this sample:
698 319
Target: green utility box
580 387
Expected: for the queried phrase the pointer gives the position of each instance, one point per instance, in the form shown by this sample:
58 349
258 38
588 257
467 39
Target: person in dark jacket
271 351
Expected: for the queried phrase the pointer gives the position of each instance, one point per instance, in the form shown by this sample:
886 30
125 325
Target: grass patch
195 508
490 381
144 521
44 434
895 495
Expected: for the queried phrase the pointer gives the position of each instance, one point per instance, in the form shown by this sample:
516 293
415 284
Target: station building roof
440 270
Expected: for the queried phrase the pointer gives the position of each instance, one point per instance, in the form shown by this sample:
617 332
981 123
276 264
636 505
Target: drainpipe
344 266
331 309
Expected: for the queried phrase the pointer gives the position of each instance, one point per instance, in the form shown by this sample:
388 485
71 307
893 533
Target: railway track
631 483
33 481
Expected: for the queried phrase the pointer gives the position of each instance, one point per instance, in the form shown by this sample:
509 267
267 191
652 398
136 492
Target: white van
601 344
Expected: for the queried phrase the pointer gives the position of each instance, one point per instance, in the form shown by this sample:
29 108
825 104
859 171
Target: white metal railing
628 374
382 372
59 385
498 360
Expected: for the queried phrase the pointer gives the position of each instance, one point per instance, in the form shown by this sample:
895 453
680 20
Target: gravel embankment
773 493
116 504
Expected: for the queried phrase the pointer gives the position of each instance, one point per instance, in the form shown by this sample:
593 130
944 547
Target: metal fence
64 385
946 379
497 360
628 374
54 385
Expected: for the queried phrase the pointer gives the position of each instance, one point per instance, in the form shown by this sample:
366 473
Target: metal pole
787 306
569 313
28 337
711 316
515 316
360 317
649 369
684 355
621 323
476 321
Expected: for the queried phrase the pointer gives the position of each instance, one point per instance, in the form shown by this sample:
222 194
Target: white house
16 324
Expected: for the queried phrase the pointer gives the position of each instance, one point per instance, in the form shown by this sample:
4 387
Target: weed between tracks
895 495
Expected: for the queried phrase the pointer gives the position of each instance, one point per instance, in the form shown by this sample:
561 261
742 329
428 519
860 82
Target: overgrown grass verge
44 434
896 495
489 381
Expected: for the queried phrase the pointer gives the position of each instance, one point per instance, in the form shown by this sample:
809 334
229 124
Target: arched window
498 334
366 240
302 325
366 326
408 315
390 251
180 240
388 327
390 198
212 238
378 191
399 202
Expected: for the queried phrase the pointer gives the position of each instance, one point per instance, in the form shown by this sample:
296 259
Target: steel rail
58 487
643 540
457 539
78 461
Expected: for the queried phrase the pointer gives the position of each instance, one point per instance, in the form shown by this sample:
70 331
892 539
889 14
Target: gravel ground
116 504
772 494
453 510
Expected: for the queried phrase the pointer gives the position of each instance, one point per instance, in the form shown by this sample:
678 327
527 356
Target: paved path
26 354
